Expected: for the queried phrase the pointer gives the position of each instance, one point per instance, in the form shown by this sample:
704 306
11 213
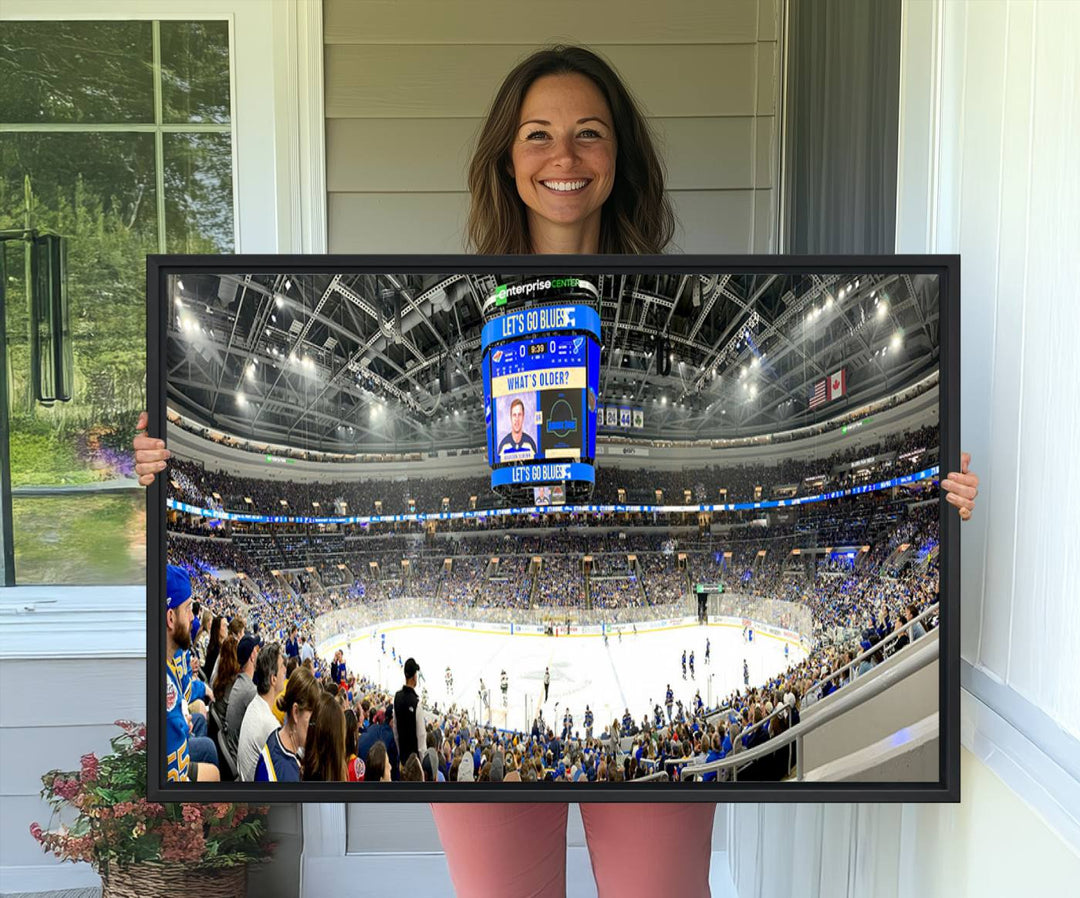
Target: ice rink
629 673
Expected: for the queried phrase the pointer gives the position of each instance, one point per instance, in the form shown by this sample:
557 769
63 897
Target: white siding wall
407 85
990 123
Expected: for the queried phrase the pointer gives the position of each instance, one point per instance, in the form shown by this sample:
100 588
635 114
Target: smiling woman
563 162
565 144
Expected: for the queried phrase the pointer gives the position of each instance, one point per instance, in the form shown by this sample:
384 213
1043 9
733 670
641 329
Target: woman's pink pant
519 850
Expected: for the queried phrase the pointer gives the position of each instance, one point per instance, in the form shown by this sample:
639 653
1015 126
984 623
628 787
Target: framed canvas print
576 528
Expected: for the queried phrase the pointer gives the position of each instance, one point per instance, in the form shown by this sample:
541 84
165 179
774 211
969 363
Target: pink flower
146 808
89 767
65 788
192 813
36 832
181 842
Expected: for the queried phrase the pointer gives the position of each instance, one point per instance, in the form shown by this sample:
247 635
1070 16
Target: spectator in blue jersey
179 767
517 444
292 645
380 731
280 758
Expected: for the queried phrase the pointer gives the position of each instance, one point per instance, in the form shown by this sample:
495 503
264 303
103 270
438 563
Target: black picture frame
946 789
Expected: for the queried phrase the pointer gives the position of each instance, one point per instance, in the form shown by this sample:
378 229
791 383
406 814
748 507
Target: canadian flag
838 384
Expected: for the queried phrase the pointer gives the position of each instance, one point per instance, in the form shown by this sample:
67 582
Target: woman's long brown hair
228 667
637 217
324 753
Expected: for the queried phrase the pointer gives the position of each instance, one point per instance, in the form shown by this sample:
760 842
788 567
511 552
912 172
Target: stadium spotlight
882 310
897 340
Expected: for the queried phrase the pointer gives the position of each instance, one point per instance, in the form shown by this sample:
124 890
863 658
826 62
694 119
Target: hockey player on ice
504 684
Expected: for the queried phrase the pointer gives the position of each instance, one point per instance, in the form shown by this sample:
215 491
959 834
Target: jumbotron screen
541 371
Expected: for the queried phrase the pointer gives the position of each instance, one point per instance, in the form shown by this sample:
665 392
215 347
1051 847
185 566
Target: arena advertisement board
468 501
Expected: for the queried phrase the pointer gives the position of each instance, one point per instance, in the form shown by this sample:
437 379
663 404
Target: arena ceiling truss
390 363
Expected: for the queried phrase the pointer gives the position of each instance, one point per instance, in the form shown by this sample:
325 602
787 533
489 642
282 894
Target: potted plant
142 848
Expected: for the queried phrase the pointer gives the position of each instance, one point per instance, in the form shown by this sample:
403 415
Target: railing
661 777
920 657
779 709
879 645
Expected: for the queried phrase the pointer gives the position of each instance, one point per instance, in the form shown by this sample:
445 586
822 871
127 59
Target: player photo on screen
516 421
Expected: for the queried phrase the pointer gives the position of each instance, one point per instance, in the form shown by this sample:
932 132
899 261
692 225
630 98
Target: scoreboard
541 369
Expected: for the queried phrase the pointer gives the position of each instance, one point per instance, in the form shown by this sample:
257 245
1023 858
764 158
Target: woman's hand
962 488
150 454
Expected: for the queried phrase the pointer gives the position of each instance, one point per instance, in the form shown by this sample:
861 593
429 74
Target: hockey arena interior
685 532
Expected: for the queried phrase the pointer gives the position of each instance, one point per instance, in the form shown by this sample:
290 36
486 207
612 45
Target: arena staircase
253 591
900 557
640 575
534 580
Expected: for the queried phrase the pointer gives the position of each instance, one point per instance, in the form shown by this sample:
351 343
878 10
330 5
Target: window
117 135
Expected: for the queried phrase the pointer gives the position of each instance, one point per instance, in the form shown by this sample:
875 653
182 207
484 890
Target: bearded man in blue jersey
178 764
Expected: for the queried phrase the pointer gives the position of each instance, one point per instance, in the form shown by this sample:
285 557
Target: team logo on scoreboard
497 355
561 421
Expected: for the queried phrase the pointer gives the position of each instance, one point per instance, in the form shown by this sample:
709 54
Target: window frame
285 150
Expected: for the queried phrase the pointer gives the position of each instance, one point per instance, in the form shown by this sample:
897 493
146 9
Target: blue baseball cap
177 586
